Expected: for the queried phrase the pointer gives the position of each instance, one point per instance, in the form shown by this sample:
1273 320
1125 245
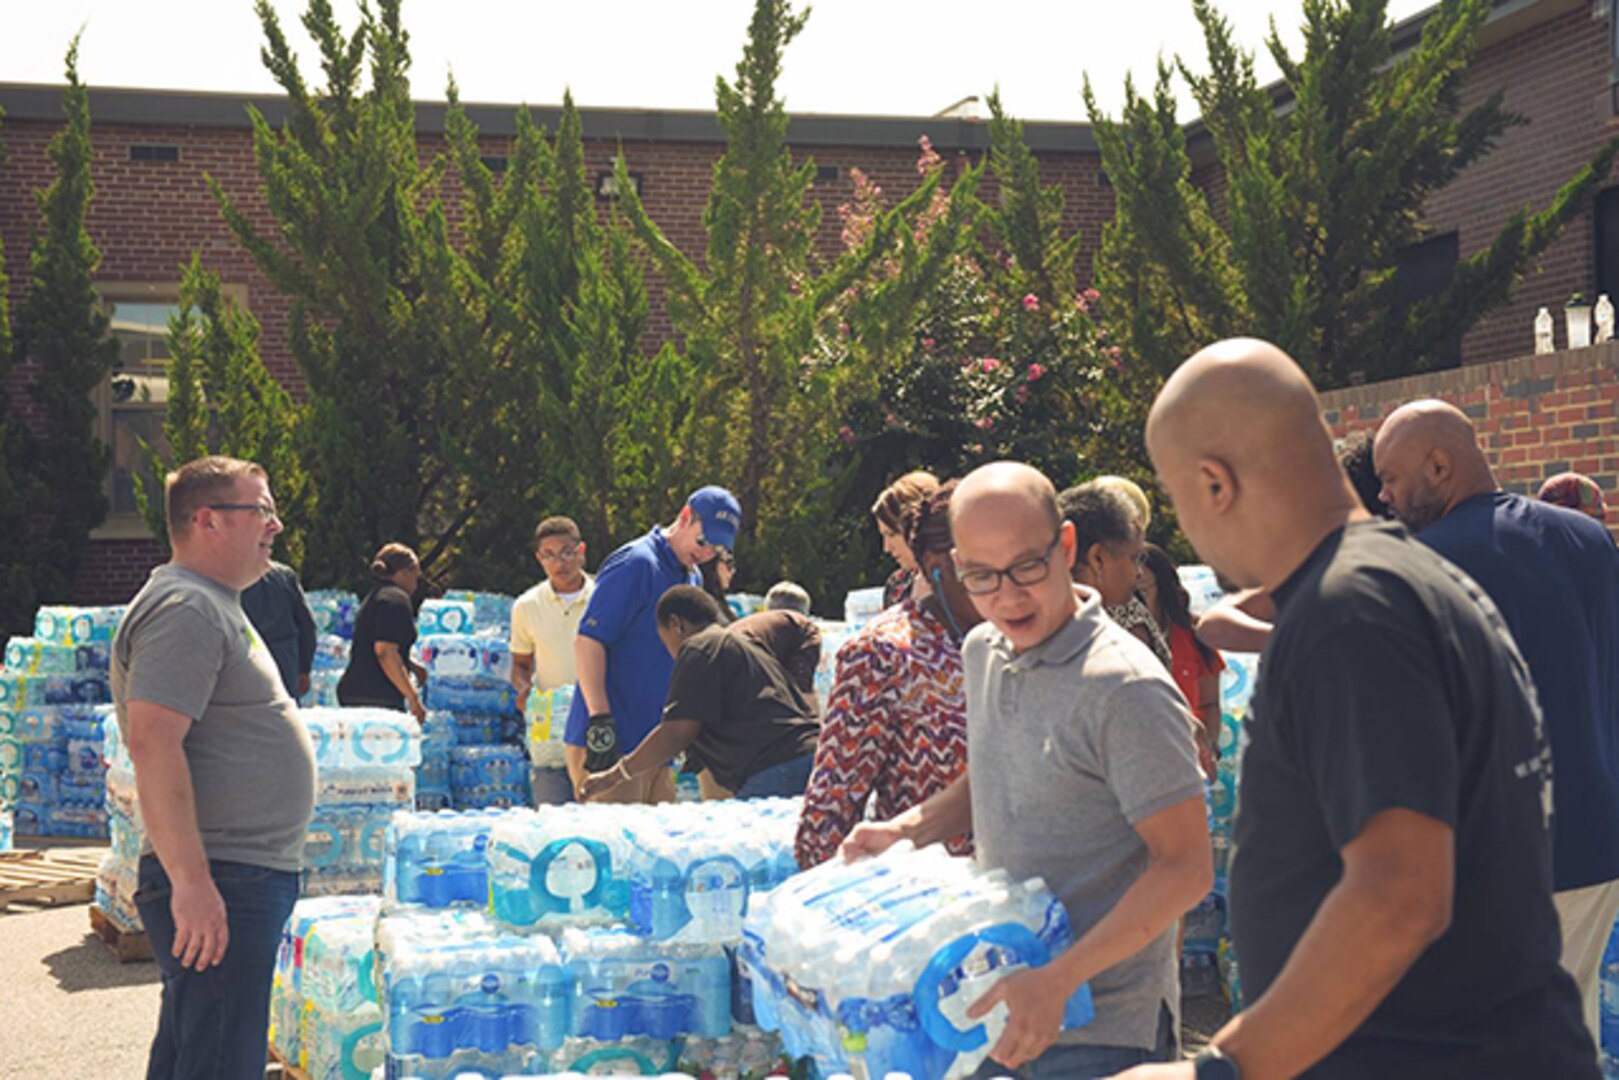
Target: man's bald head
1237 438
1428 458
1003 484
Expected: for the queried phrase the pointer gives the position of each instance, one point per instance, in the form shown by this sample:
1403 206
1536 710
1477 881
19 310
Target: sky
876 57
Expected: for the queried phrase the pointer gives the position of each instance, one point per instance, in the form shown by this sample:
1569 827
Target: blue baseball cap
720 514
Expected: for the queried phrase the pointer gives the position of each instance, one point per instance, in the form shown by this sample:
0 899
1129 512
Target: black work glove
601 743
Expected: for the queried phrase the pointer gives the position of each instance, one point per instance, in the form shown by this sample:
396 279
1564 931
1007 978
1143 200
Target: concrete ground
71 1008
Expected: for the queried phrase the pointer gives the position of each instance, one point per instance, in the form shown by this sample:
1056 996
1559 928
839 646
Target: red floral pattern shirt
895 730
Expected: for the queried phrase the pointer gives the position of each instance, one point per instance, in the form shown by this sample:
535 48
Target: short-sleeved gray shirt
1068 746
185 644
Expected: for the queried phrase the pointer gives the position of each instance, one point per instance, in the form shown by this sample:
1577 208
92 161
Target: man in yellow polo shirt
546 617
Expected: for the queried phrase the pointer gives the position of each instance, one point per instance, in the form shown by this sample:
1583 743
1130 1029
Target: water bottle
1544 331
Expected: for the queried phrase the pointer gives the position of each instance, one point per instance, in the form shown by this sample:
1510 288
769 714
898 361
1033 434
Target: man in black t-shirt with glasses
1391 868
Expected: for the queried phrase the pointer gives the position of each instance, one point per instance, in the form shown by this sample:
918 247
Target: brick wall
1555 76
1536 416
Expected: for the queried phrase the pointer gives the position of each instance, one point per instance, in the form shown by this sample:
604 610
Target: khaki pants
657 786
1587 916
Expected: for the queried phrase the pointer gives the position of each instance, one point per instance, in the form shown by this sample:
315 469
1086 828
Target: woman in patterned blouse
895 730
892 509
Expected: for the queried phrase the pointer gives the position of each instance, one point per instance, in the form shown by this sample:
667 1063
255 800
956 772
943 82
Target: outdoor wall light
607 184
1577 315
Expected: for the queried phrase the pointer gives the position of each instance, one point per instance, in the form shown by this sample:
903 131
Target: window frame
132 526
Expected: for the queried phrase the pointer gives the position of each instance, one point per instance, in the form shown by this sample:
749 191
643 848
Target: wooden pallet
49 877
282 1069
126 945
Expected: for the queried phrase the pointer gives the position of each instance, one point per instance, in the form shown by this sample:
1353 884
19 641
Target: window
134 399
1607 241
1422 271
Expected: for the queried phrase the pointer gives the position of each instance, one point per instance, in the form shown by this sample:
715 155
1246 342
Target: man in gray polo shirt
1082 770
224 771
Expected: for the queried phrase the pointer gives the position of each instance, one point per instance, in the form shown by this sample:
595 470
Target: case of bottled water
563 865
333 611
323 993
860 606
459 695
625 986
445 617
359 738
465 994
439 860
491 612
433 774
76 625
871 966
545 715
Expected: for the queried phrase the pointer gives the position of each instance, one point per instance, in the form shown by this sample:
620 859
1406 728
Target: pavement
72 1009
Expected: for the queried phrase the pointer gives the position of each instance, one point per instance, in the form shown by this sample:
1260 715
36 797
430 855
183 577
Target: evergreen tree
17 488
223 400
418 416
1320 198
751 316
63 330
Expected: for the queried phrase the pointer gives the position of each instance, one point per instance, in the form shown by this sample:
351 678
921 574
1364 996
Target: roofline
206 109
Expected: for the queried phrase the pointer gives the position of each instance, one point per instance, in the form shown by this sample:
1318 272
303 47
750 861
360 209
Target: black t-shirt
1391 682
793 639
386 615
753 716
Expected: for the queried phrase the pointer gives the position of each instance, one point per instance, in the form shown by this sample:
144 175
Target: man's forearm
1356 949
522 676
948 813
590 658
169 811
1166 891
665 741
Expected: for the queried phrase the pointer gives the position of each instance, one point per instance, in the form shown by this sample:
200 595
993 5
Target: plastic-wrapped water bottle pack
491 612
439 860
365 761
860 606
53 705
545 716
361 738
333 611
871 966
445 616
324 1011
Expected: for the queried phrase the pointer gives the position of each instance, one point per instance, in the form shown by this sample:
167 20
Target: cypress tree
1320 198
63 330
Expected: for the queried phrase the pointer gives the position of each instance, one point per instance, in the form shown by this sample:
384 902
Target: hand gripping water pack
872 966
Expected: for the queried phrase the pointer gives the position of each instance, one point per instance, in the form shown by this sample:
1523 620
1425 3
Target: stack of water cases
334 624
588 938
120 867
860 606
1208 964
468 677
324 1011
365 762
53 698
870 967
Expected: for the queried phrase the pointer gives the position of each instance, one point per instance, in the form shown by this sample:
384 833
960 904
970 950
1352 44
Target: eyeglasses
265 510
1031 571
560 556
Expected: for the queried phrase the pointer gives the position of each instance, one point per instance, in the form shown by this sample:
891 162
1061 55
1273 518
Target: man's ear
1216 484
1070 545
1439 466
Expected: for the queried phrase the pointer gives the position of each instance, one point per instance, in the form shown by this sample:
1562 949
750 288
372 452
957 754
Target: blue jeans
789 778
1091 1062
214 1024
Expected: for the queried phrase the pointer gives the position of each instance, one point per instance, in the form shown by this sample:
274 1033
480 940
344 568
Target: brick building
152 209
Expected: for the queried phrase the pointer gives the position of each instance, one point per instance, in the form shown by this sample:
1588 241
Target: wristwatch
1213 1065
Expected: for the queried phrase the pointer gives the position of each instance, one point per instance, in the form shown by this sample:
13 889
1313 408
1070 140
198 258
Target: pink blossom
846 433
927 343
1022 394
977 447
1114 351
988 363
985 424
1091 295
1035 371
1031 302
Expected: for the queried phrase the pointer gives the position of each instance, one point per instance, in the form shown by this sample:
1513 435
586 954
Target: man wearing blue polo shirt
623 665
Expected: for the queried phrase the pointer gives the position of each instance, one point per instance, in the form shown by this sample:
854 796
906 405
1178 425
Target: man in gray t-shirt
224 771
1082 770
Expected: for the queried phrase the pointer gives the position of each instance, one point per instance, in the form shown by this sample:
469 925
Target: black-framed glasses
980 581
560 556
265 511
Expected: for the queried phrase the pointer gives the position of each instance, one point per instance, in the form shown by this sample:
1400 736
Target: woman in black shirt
380 668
